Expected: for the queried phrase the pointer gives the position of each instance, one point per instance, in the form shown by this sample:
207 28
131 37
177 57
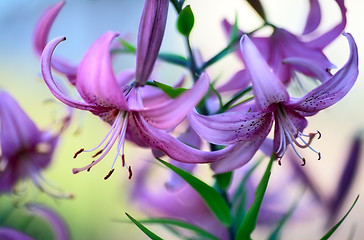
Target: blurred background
98 203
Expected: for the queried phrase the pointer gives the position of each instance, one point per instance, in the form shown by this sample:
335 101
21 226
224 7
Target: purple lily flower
250 125
115 101
40 40
25 150
283 44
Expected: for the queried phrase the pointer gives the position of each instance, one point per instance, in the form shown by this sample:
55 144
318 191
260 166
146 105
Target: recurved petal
175 149
8 233
40 40
151 31
313 18
307 65
325 39
171 113
46 60
18 132
240 153
240 80
267 88
334 89
231 127
96 81
57 224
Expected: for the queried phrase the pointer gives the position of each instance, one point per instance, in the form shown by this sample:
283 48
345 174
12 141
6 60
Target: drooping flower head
249 125
118 100
25 150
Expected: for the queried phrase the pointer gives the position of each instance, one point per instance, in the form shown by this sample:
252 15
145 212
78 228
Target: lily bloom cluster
143 115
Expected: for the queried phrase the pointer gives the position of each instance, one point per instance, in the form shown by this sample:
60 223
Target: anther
319 154
279 162
319 134
88 169
304 162
78 152
130 172
123 160
98 153
109 174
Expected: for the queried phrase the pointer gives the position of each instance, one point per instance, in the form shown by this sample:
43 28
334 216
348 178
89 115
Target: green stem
226 106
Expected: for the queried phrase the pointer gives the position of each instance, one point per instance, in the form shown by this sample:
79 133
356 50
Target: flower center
288 133
116 132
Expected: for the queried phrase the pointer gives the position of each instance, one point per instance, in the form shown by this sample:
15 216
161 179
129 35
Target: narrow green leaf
212 198
128 46
223 180
332 230
181 224
258 8
185 21
250 220
173 58
235 30
147 232
170 91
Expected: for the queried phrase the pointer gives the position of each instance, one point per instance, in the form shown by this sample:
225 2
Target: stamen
90 167
78 152
279 162
319 154
318 134
123 160
109 174
98 153
304 162
130 172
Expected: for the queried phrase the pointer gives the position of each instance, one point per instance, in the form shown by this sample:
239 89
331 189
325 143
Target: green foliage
223 180
258 8
250 219
212 198
333 229
170 91
185 21
147 232
177 223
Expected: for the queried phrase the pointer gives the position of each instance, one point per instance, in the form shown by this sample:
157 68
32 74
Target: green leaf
147 232
212 198
223 180
185 21
258 8
181 224
127 46
250 220
173 58
170 91
332 230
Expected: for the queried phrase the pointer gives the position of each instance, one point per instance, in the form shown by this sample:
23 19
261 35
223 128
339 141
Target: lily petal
171 146
46 60
171 113
333 89
231 127
40 39
96 81
57 224
18 132
12 234
314 17
321 74
240 80
151 31
239 155
325 39
267 88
